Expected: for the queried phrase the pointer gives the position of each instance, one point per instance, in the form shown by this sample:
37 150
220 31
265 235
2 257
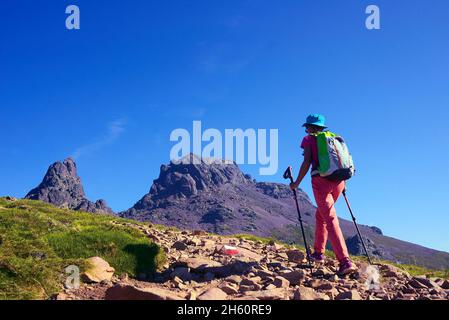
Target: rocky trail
198 268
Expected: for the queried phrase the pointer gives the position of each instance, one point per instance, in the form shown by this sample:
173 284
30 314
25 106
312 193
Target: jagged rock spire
62 187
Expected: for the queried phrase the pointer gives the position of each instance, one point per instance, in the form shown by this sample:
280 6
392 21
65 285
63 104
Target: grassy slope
37 242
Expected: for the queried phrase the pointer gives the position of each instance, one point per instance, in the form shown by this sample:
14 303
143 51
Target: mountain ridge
217 197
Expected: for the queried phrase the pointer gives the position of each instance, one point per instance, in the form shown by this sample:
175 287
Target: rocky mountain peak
192 174
62 187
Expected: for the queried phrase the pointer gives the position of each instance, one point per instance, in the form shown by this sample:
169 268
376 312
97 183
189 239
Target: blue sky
112 92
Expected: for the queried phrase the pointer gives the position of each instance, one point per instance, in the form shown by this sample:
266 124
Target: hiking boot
317 257
346 267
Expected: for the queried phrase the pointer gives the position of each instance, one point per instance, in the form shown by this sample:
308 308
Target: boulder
445 285
264 273
274 247
294 277
274 294
427 283
251 281
179 245
129 292
323 272
321 284
305 293
199 233
228 288
98 270
192 295
246 255
234 279
349 295
296 256
194 241
199 263
213 294
281 282
207 244
417 284
392 271
270 287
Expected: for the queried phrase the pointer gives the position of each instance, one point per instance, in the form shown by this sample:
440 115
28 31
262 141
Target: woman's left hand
294 185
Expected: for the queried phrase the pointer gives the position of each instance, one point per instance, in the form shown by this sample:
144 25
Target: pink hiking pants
326 193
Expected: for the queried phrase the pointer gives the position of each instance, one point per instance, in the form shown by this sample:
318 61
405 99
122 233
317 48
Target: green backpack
335 161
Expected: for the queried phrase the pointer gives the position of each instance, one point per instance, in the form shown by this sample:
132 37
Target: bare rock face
187 178
62 187
215 196
355 246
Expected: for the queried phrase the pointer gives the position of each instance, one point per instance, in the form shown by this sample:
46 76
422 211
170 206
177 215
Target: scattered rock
391 271
274 294
305 293
234 279
323 272
199 263
294 277
229 288
192 295
213 294
349 295
199 233
281 282
60 296
296 256
264 273
417 284
246 255
179 245
427 282
250 281
321 285
445 285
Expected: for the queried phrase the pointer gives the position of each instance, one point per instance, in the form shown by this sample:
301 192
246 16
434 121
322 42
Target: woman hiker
326 193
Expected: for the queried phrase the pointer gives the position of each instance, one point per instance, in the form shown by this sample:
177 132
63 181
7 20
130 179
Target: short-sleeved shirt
309 141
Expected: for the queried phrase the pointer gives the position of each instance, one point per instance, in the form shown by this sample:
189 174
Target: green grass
38 241
254 238
418 271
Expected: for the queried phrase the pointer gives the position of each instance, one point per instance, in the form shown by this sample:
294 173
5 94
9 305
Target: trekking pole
288 175
355 223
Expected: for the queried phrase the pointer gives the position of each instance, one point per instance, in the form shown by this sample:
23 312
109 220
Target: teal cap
316 120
